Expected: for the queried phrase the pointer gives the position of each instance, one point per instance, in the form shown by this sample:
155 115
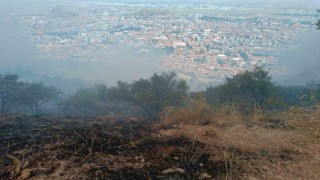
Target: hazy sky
171 1
5 4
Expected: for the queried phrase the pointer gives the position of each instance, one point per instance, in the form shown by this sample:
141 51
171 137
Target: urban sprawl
200 43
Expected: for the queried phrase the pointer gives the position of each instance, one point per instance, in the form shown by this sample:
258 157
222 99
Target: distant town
202 43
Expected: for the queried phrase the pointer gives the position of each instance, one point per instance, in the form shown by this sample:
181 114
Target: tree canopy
15 93
91 100
247 89
10 91
152 95
37 94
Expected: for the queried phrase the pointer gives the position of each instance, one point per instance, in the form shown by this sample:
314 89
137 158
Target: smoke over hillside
302 62
18 54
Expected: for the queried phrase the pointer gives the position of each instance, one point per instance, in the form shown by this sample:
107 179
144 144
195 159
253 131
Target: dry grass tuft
200 113
263 145
197 112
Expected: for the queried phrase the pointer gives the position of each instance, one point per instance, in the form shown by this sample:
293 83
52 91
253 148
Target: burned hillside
228 146
99 148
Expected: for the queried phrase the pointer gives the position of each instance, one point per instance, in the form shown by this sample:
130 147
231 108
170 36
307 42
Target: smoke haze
18 54
302 62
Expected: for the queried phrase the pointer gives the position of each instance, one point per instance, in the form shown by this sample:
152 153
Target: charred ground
227 146
99 148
